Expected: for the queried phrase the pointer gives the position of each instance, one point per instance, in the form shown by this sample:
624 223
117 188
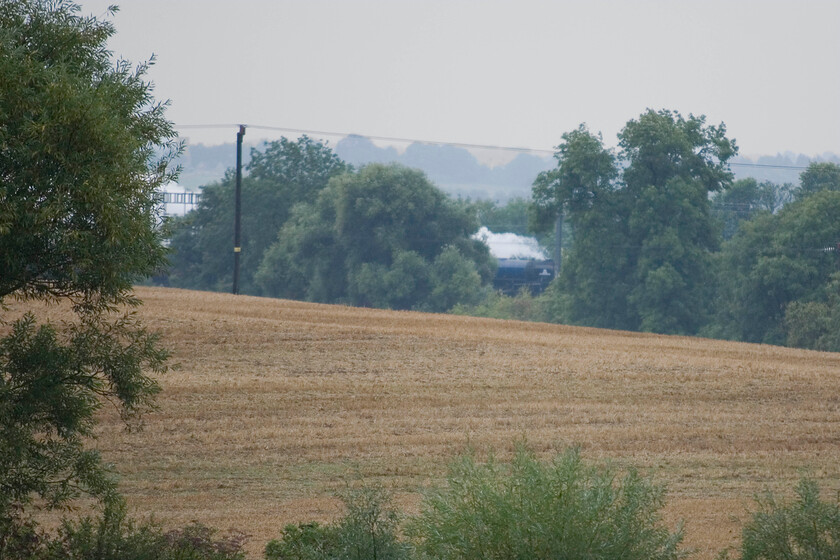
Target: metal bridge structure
178 203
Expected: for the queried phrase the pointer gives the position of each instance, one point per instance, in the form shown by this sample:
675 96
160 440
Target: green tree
582 190
743 200
819 177
454 280
383 236
773 261
78 223
673 164
584 174
283 174
641 246
510 217
367 531
815 324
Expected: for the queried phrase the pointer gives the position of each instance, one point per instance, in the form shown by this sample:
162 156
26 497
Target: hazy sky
510 73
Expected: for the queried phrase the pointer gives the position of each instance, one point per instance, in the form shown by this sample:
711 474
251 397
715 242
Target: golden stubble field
276 405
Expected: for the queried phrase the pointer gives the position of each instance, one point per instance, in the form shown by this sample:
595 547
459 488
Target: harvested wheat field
276 405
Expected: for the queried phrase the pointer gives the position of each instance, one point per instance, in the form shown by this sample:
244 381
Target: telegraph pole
237 242
558 242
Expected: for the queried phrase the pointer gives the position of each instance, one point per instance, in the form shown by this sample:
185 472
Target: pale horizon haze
490 72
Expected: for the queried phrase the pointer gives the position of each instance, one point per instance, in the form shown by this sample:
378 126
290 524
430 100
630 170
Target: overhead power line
767 165
381 138
436 142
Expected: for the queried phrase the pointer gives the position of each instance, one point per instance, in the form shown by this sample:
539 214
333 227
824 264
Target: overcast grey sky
511 73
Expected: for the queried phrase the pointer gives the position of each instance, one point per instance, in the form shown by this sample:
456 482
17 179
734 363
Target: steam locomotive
515 274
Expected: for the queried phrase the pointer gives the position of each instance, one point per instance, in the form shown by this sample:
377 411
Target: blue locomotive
515 274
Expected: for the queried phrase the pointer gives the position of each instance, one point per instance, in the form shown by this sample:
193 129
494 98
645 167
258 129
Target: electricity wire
465 145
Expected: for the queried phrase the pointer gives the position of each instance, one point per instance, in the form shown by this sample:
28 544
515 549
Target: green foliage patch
83 148
112 536
807 528
530 509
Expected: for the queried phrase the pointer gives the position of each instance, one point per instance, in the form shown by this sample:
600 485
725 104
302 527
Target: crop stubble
276 405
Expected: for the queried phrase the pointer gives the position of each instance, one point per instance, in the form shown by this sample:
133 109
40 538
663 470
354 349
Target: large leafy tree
592 288
773 262
281 174
819 176
775 282
673 164
80 138
640 253
383 236
584 174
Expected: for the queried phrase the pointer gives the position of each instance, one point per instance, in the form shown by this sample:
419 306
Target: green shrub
806 529
113 536
19 534
305 541
110 537
368 531
521 307
536 510
198 542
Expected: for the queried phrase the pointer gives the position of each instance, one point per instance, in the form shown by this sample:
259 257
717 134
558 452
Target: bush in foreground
537 510
113 536
806 529
368 531
522 511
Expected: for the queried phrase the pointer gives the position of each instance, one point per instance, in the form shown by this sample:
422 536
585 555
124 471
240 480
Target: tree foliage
77 157
744 200
584 175
673 164
592 289
815 324
79 168
564 508
807 528
641 245
281 175
819 177
113 536
384 237
772 262
646 253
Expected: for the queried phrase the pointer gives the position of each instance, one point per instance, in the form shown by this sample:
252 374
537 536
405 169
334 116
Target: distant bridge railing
188 198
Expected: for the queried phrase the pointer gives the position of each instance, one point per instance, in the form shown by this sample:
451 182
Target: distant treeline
459 173
656 236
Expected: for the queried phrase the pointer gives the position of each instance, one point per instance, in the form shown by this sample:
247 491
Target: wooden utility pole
237 242
558 243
